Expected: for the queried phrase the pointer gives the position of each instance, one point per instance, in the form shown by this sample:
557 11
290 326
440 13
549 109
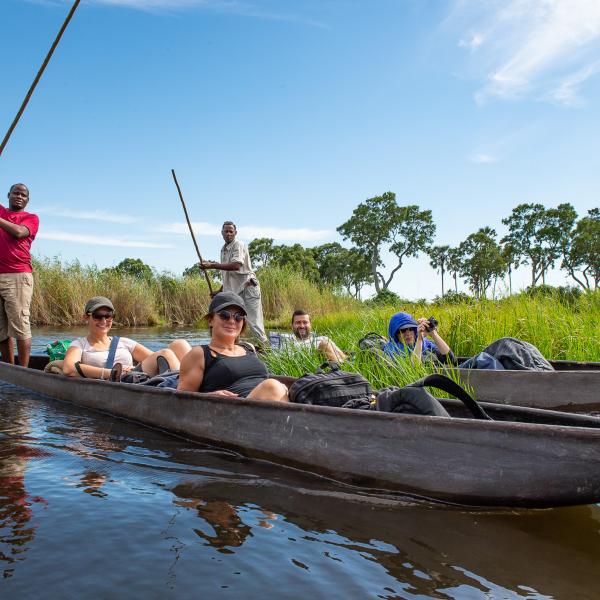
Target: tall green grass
562 327
62 289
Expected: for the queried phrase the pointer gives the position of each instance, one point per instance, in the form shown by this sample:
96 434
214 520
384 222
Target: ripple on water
96 507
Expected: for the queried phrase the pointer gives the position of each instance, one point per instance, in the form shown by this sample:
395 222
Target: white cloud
567 92
235 7
92 215
483 158
541 48
251 232
472 42
63 236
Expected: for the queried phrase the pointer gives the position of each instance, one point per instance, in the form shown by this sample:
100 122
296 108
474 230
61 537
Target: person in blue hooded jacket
410 337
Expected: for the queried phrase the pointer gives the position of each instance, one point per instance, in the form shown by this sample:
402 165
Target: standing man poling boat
239 278
17 231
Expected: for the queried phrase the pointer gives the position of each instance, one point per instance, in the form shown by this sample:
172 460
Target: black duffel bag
415 399
336 388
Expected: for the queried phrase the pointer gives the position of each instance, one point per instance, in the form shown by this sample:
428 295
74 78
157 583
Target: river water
95 507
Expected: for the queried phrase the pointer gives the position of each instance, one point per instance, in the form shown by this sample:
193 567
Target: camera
431 324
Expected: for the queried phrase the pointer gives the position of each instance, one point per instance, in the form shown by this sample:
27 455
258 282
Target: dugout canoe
525 458
572 387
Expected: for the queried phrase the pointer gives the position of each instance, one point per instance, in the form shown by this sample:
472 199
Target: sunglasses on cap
225 315
98 316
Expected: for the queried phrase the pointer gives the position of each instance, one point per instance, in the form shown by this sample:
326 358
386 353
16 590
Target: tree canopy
379 224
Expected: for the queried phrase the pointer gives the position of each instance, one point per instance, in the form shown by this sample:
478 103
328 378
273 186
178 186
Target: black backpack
336 388
415 399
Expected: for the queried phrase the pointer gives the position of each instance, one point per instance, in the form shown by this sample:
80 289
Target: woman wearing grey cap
224 366
87 356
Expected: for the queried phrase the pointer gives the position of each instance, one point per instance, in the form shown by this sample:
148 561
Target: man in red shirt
17 230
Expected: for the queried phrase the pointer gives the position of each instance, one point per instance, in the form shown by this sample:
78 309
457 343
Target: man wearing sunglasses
17 231
239 278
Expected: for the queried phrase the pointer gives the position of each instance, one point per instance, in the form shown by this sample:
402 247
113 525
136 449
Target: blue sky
284 115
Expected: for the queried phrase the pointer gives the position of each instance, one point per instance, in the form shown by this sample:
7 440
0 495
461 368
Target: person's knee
180 348
278 389
270 389
169 356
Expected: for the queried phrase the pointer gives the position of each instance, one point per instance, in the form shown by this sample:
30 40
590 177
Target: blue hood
399 320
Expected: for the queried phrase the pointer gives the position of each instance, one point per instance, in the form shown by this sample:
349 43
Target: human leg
150 366
16 291
270 389
180 348
24 350
331 351
6 344
253 304
7 350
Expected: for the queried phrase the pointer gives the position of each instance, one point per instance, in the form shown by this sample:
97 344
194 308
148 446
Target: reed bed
378 370
562 329
561 326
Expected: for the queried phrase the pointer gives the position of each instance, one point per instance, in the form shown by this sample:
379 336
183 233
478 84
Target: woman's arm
72 356
440 343
417 353
191 371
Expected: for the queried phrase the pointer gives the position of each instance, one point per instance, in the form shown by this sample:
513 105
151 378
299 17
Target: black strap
441 382
332 365
79 370
112 350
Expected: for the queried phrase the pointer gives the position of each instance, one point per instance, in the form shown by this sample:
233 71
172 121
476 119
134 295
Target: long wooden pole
38 76
187 218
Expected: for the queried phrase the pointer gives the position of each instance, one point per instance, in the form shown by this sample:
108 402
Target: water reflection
173 519
431 550
16 529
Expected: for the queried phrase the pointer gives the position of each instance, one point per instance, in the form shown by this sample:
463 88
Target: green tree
297 258
135 267
355 271
453 264
378 224
538 235
438 259
511 258
261 252
481 260
584 251
342 268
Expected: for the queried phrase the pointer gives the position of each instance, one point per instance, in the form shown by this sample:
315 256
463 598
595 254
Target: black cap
223 300
97 302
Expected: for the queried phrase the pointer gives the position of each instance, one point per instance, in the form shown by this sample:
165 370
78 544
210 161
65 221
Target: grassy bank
561 326
62 289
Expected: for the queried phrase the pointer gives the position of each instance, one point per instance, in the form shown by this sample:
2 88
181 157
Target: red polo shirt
14 252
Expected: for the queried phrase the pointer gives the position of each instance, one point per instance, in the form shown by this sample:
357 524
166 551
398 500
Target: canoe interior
498 412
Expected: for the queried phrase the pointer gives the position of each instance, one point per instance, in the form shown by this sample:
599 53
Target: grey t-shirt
235 281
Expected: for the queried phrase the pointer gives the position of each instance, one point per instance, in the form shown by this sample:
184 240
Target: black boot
162 365
115 372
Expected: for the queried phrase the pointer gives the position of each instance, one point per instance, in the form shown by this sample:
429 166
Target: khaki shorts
16 290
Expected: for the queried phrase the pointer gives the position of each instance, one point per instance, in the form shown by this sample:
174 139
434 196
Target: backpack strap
79 369
441 382
330 365
112 350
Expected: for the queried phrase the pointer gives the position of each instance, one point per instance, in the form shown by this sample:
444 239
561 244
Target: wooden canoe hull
573 391
451 460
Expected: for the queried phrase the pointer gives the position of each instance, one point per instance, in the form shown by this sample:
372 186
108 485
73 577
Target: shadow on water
172 518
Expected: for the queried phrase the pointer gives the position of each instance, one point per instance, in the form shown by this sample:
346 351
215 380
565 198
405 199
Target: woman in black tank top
224 366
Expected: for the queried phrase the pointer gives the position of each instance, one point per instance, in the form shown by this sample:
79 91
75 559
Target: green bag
57 349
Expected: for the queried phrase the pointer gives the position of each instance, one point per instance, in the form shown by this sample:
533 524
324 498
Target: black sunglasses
225 315
98 316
